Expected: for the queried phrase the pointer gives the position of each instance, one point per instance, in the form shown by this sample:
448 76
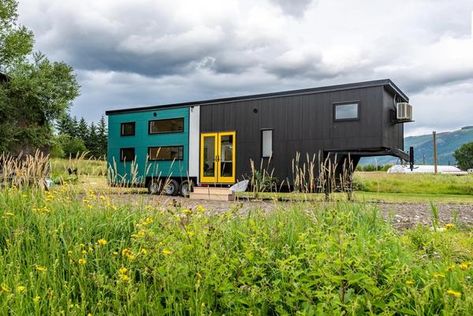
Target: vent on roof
403 112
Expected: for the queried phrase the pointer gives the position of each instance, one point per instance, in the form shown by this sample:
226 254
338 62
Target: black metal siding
302 123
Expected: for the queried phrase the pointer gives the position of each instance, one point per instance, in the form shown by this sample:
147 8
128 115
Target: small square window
346 111
127 129
266 143
127 154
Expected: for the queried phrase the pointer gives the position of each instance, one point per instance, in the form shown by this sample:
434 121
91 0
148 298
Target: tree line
75 136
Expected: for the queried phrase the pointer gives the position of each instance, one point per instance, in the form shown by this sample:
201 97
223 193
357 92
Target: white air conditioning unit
403 111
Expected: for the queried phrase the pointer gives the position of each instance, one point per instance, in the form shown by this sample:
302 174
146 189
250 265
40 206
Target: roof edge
357 85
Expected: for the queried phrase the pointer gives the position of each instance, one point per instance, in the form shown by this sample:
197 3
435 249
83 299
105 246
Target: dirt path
402 215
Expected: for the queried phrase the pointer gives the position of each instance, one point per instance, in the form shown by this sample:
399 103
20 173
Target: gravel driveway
403 215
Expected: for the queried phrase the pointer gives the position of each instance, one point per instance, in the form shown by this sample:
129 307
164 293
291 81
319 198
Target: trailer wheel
186 188
171 187
153 186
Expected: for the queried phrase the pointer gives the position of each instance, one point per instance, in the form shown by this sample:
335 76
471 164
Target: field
84 248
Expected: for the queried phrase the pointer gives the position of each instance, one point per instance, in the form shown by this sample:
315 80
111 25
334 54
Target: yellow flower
166 251
41 268
82 261
21 289
128 254
36 299
187 211
464 265
4 288
449 226
124 277
122 270
84 252
453 293
102 242
144 251
410 282
200 209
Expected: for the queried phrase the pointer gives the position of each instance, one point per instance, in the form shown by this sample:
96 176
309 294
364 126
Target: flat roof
387 83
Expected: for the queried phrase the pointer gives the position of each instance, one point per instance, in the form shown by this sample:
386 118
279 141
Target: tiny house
211 142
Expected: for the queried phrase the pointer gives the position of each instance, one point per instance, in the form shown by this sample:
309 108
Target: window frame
166 119
261 142
121 154
358 114
121 129
167 146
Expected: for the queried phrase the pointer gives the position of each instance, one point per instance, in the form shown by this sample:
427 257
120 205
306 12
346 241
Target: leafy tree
37 91
464 156
71 146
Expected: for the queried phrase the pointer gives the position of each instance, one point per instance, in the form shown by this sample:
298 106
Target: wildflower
41 269
453 293
200 209
464 265
187 211
410 282
122 270
102 242
449 226
82 261
84 252
143 251
166 251
36 299
4 288
139 234
128 254
20 289
451 267
124 277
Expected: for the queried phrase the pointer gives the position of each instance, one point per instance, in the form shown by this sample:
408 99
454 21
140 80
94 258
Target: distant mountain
447 143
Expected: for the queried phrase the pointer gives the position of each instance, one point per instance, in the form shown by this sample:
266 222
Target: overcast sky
145 52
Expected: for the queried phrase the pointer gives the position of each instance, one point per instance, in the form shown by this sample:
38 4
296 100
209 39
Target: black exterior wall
305 124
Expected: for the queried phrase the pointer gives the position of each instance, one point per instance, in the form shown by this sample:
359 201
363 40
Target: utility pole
434 135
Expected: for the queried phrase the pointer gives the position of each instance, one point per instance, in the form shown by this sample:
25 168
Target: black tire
186 188
171 187
154 186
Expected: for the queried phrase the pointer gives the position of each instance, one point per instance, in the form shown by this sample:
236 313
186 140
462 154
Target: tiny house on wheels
211 142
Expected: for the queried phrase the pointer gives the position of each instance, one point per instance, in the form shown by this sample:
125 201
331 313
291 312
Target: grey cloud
295 7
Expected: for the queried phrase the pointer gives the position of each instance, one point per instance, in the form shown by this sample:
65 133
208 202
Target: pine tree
82 130
102 138
92 140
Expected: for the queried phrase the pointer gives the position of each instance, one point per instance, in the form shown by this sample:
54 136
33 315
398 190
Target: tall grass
68 253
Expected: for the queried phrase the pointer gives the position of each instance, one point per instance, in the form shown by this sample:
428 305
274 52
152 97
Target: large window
127 154
346 111
266 143
127 129
175 125
166 153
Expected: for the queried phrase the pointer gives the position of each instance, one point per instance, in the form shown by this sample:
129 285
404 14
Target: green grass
414 183
74 254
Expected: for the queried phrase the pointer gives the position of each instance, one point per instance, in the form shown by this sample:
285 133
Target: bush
464 156
71 146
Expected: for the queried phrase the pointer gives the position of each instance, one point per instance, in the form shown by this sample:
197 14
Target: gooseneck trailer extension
211 142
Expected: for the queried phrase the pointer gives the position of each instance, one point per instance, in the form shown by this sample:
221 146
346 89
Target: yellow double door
217 157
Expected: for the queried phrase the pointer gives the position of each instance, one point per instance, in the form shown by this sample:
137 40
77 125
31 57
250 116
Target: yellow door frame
217 152
203 178
230 179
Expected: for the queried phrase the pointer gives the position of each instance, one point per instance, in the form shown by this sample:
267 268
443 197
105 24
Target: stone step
212 197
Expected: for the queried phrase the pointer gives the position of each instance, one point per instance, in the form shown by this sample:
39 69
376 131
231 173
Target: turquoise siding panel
138 171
